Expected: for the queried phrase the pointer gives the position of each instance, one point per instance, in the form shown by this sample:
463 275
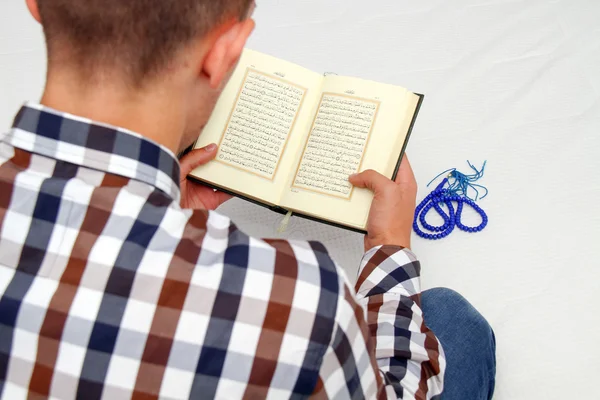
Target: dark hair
137 36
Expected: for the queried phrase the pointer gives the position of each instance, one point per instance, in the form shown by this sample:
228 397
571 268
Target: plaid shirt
109 289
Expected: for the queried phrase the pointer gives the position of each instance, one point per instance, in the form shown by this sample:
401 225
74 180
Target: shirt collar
42 130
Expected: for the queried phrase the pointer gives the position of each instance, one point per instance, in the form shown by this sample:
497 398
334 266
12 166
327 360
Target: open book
289 138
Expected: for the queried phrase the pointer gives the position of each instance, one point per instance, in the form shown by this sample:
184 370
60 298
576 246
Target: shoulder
306 261
300 274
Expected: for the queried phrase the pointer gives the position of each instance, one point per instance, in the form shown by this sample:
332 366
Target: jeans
468 341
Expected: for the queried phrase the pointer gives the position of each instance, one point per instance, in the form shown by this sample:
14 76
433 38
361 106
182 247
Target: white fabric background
512 81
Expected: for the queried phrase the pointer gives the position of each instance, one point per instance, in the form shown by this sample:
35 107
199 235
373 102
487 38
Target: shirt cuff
389 269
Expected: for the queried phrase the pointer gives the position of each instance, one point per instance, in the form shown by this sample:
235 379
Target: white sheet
514 82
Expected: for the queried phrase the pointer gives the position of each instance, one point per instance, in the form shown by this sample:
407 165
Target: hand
393 209
194 195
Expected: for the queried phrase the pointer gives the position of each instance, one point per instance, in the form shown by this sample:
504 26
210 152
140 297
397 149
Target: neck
155 112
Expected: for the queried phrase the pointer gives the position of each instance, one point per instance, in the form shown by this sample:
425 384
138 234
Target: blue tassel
462 190
461 183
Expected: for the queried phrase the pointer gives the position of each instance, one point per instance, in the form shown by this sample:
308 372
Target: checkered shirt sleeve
392 355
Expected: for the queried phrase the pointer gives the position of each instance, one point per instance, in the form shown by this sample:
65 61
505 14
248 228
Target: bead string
449 196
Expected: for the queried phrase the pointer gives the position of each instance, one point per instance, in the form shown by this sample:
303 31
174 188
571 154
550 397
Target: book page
261 116
260 123
336 146
358 125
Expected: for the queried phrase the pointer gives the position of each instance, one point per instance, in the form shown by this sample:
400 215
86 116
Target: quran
289 138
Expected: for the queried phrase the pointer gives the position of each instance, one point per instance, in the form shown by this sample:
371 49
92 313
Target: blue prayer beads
452 218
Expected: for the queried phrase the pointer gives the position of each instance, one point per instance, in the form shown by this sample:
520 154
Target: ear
33 9
226 51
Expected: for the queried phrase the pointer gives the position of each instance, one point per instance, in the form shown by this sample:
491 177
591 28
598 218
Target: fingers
370 179
196 158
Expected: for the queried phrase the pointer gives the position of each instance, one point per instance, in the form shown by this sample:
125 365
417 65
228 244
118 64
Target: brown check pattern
109 290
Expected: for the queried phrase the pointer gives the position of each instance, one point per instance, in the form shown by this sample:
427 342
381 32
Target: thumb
369 180
196 158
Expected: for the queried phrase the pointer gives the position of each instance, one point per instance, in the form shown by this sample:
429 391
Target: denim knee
468 341
453 308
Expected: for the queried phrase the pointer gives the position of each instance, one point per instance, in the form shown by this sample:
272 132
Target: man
112 287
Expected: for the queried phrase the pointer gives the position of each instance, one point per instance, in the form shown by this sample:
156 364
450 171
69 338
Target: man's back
109 289
116 285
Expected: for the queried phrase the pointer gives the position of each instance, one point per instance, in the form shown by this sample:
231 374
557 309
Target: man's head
141 43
